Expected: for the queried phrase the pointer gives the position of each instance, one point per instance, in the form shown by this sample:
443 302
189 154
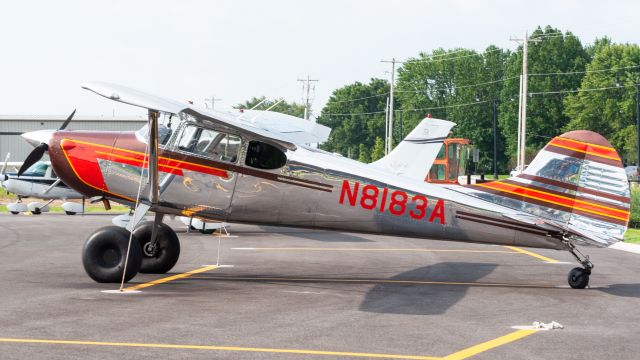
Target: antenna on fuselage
253 108
253 119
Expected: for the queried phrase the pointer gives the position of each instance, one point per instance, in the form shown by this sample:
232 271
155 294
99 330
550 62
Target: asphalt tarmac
289 294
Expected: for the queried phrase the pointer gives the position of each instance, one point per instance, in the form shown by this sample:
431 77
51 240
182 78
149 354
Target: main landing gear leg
160 246
579 277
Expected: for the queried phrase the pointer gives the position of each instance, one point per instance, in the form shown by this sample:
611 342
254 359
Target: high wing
415 154
298 129
141 99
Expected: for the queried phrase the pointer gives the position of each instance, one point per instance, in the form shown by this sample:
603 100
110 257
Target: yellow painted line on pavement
171 278
530 253
370 281
491 344
459 355
218 348
367 249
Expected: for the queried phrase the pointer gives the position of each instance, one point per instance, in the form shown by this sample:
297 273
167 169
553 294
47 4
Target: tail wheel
579 278
104 255
160 258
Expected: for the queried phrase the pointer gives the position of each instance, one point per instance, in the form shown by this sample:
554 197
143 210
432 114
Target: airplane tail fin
577 183
415 154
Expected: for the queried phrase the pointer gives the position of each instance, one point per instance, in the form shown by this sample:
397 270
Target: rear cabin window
264 156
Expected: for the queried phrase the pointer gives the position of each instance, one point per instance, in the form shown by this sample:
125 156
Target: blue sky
189 50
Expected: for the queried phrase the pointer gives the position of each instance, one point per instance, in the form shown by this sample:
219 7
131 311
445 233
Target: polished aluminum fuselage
320 190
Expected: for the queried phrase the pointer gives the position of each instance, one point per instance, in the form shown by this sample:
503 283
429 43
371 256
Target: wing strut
142 208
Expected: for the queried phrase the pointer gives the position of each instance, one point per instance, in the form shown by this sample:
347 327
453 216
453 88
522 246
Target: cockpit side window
209 143
264 156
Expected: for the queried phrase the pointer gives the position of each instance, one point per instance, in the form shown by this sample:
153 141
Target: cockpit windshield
38 169
166 125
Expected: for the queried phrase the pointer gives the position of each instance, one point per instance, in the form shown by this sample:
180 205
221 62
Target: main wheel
579 278
104 253
165 255
36 212
15 212
69 213
207 231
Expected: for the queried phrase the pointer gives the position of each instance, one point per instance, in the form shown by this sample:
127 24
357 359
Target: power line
406 110
425 90
447 106
459 87
491 82
356 99
581 90
549 35
485 101
448 59
586 71
349 114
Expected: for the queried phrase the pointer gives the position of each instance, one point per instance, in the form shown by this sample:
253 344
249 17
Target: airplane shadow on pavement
624 290
408 299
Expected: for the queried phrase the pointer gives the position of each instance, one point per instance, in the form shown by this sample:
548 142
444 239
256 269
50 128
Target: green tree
550 52
612 111
289 108
355 112
378 150
364 154
458 85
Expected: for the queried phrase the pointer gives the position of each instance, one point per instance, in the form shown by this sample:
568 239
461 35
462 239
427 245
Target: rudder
576 180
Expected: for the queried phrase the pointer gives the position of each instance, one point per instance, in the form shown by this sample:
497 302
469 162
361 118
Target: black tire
104 253
168 248
15 212
69 212
579 278
207 231
36 212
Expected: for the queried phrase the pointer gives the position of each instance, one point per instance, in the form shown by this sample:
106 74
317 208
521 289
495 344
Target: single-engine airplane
38 181
236 168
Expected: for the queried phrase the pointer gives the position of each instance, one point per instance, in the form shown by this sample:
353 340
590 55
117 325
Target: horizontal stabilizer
415 154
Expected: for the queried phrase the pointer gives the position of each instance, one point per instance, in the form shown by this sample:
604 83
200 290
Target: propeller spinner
40 139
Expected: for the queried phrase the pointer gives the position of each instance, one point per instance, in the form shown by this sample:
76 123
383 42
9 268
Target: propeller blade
33 158
4 166
66 122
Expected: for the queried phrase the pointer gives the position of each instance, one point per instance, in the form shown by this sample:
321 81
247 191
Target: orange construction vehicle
451 162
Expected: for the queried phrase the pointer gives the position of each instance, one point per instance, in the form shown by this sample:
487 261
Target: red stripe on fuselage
83 157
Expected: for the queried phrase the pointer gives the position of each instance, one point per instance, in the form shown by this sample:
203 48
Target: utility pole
306 88
386 128
638 119
522 116
495 139
390 105
213 100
